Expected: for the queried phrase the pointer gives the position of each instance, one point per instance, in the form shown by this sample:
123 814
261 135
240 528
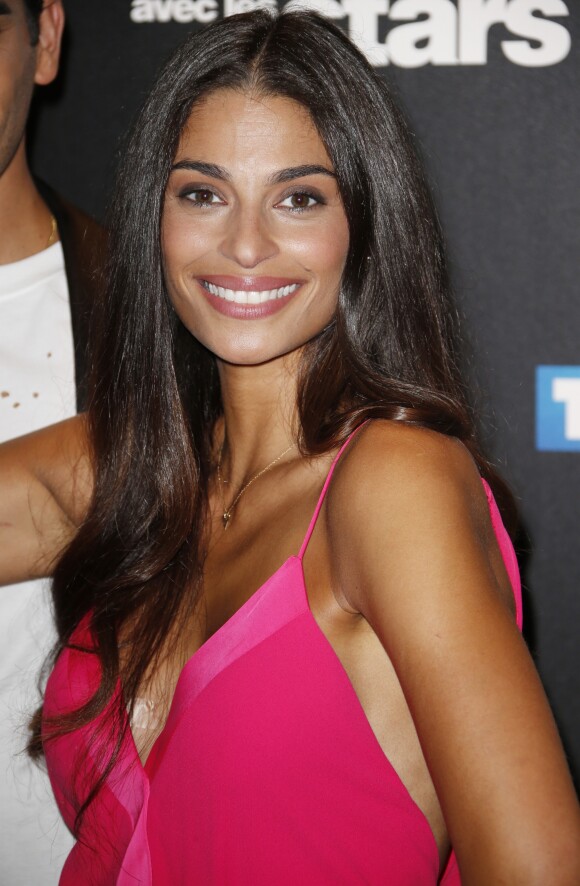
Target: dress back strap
336 459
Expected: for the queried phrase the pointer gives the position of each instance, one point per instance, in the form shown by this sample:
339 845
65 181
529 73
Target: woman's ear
51 26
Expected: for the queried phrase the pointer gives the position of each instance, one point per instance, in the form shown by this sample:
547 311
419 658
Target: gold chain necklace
53 231
228 512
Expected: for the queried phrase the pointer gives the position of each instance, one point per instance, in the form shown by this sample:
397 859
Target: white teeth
252 297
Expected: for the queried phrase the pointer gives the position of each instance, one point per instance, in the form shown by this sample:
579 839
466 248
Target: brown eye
202 196
300 201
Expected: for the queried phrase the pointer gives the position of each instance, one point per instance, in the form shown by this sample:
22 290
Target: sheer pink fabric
267 771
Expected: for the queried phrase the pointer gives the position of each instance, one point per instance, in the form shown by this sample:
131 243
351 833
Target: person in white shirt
48 259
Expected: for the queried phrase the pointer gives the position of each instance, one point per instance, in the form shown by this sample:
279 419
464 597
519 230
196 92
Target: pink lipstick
248 298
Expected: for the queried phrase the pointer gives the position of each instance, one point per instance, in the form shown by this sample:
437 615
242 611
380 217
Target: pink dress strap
335 461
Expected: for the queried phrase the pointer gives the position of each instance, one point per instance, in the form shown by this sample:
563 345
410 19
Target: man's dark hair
33 8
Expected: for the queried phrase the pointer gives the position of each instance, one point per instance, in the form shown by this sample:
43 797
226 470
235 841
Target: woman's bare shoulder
402 497
392 462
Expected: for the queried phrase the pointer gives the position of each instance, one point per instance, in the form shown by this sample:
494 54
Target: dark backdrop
493 101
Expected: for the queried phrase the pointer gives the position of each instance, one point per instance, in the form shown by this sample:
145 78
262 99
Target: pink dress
267 772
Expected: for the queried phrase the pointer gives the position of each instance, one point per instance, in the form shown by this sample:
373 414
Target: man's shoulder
77 229
84 245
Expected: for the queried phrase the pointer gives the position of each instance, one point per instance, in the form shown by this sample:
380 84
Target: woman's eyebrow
211 169
5 9
283 175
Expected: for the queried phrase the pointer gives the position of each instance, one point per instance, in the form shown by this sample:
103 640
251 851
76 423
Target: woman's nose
247 240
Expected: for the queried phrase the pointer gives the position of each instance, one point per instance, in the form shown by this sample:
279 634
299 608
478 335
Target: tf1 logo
558 408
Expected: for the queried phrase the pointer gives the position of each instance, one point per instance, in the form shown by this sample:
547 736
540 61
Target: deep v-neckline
203 652
208 653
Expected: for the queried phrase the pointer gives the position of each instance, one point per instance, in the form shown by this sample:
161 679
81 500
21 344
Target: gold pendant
226 518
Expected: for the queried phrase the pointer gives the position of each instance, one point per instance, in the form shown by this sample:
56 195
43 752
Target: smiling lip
248 298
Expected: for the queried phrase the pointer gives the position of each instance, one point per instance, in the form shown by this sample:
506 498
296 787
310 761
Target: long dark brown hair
390 351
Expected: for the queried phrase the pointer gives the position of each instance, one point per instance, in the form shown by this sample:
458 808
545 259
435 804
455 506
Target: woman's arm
45 486
417 556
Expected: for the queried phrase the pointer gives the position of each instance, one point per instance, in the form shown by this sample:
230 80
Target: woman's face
254 234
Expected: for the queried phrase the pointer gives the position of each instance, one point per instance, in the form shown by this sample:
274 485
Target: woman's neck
259 415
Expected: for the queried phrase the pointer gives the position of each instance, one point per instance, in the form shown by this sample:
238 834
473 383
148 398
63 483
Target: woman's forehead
238 126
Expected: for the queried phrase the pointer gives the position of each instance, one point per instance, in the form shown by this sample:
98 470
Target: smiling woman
334 690
262 243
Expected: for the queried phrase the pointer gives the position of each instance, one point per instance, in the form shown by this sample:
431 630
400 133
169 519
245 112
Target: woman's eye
299 201
202 197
